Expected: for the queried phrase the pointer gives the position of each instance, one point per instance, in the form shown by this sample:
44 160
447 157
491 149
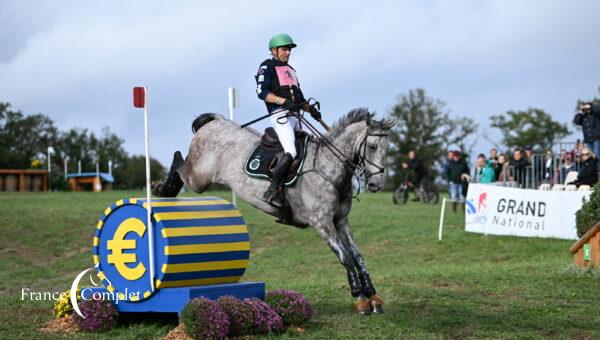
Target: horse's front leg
375 301
338 246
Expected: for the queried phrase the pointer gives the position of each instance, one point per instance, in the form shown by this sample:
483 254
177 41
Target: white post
442 219
148 200
110 167
233 103
97 169
79 166
66 162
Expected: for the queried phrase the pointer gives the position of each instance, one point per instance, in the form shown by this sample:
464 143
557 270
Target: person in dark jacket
588 118
419 178
519 164
278 86
587 174
457 173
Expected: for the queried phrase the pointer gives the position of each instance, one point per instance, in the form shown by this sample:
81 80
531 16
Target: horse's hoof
377 309
362 307
376 304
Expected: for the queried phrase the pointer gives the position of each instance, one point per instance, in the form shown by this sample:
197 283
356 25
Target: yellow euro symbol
118 244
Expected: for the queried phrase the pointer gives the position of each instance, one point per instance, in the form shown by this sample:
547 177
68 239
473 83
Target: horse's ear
369 120
388 124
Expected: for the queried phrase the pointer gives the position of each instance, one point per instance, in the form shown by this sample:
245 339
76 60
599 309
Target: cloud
77 61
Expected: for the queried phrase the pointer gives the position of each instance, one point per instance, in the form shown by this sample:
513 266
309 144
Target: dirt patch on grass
15 249
177 333
60 325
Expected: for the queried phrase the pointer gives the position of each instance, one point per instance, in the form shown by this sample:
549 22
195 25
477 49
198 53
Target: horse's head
372 152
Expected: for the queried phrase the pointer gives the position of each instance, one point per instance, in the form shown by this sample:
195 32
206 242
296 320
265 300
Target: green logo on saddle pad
254 164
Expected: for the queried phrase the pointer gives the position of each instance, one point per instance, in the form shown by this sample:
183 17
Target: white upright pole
66 162
442 219
232 104
148 200
79 166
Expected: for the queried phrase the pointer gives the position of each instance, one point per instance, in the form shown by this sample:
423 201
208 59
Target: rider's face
282 53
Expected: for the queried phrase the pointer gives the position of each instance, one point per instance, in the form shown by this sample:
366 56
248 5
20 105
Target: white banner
497 210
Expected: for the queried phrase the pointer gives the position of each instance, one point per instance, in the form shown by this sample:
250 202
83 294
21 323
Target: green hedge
589 214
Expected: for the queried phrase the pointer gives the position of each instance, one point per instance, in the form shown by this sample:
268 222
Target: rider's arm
264 78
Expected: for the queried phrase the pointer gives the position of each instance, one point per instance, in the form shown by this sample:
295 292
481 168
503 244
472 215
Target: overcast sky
77 61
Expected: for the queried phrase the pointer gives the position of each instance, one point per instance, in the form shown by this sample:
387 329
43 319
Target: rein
358 169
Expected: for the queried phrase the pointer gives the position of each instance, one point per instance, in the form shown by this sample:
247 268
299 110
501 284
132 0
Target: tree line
426 126
26 138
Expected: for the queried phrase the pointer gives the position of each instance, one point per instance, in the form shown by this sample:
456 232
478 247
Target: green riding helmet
281 39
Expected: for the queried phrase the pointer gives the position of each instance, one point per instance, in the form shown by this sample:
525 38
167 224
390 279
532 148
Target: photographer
588 118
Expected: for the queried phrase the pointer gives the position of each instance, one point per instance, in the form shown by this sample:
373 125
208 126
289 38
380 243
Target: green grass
468 285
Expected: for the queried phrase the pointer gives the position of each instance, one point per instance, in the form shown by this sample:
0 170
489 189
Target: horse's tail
204 119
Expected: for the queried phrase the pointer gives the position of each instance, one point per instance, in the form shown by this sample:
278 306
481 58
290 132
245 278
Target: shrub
239 313
100 315
589 213
62 306
266 320
205 319
292 306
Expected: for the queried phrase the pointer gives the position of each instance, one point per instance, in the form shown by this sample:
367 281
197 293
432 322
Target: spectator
457 168
588 175
420 173
588 118
484 173
520 164
502 170
493 156
566 167
549 167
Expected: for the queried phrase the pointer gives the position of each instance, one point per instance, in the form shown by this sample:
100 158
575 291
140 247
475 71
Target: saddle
264 157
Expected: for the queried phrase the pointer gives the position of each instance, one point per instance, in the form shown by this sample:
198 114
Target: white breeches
285 127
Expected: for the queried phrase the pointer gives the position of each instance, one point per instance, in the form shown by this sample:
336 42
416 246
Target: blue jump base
172 300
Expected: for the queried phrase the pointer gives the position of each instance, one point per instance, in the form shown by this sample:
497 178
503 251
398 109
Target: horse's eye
373 147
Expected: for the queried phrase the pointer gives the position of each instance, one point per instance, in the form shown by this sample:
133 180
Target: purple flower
100 315
205 319
239 313
266 320
292 306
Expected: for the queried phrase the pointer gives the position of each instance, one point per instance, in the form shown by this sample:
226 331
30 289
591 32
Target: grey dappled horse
322 195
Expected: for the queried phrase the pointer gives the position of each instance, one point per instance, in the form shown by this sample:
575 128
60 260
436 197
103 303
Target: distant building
90 181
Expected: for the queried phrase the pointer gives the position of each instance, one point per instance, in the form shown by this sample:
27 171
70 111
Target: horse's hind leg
171 186
368 289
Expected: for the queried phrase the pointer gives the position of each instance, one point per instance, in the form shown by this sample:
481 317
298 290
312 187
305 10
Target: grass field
469 285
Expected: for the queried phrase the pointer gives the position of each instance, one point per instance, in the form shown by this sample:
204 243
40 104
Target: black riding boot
279 174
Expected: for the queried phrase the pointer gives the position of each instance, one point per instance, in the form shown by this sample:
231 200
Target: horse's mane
360 114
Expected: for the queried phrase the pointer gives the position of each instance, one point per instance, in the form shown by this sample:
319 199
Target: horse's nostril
372 187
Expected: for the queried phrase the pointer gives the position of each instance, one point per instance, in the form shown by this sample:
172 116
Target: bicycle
426 195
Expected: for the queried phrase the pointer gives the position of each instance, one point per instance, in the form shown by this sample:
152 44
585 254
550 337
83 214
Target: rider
420 172
278 86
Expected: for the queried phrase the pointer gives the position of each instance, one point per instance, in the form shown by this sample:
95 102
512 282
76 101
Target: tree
533 127
426 127
23 138
131 174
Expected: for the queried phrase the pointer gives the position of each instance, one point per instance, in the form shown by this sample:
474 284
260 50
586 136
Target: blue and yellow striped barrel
197 241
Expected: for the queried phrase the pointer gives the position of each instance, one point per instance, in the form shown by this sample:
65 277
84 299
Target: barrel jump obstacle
200 247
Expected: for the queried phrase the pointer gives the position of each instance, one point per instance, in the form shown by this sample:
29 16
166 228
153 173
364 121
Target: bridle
358 168
361 166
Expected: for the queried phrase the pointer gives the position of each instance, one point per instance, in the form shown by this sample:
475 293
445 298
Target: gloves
315 114
291 106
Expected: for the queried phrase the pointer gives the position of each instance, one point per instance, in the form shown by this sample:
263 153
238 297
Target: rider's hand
291 106
315 113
